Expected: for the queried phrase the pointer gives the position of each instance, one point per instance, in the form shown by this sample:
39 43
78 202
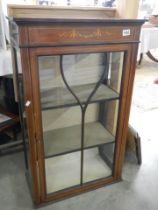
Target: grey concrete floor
137 191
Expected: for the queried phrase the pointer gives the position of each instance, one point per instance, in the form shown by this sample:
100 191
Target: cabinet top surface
33 13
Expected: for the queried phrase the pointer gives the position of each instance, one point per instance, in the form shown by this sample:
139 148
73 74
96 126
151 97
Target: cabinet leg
140 59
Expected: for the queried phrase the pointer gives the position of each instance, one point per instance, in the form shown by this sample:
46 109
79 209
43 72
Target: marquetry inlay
76 33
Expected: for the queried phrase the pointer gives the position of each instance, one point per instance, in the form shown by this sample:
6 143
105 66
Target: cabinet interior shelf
68 139
61 97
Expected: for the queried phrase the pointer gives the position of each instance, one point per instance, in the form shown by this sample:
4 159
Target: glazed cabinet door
79 100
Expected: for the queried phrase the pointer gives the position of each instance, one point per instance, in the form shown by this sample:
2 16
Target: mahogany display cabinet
74 84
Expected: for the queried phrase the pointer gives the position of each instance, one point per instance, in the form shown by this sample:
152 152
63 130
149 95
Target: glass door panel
79 100
62 171
81 72
115 70
62 146
94 166
61 130
99 141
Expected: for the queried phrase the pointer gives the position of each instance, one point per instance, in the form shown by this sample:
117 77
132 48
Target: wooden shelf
61 97
68 139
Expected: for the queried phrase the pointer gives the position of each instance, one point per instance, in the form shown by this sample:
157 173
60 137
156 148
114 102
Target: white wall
4 31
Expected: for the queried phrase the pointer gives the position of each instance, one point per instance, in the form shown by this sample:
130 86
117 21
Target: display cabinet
74 83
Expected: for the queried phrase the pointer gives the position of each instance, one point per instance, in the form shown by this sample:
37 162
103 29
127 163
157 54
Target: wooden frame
78 36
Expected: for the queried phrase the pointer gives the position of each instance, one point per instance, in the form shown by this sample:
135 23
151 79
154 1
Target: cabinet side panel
128 85
30 123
